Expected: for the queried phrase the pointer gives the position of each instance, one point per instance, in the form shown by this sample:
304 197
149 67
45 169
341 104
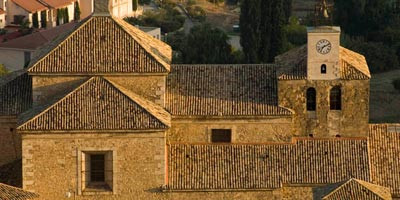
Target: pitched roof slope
223 90
98 105
293 65
266 166
103 44
37 39
384 147
31 5
58 3
16 93
355 189
14 193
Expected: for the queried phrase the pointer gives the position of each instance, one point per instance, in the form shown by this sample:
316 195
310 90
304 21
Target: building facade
102 114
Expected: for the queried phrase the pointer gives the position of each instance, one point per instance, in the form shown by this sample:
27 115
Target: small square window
221 135
97 171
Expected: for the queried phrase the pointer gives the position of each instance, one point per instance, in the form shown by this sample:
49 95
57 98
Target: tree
35 20
261 27
287 7
207 45
249 29
43 19
66 15
77 12
134 5
3 70
349 14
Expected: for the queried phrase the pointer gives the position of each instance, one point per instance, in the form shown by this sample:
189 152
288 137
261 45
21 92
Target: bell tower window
335 98
323 69
311 99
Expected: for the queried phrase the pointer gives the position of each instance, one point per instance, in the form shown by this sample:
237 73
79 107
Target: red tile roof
223 90
30 5
266 166
37 39
97 104
58 3
14 193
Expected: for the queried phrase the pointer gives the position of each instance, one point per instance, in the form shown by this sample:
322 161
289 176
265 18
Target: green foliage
216 1
77 12
197 13
396 84
43 19
142 2
167 18
191 2
66 15
24 27
35 20
134 5
379 57
204 45
296 34
62 16
3 31
3 70
261 27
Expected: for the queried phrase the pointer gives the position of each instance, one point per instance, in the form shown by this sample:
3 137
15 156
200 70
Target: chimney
101 8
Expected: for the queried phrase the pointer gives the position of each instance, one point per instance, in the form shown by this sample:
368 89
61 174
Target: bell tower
323 43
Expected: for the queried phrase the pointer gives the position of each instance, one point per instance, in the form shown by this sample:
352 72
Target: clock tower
323 43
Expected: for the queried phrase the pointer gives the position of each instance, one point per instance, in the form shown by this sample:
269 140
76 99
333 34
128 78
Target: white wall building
119 8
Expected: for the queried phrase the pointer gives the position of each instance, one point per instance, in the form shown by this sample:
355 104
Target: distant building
15 54
2 18
18 11
155 32
119 8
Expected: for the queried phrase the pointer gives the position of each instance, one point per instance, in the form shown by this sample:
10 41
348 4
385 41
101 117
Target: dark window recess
311 99
335 98
221 135
97 164
323 69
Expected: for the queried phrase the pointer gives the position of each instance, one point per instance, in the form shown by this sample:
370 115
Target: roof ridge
56 103
135 98
342 184
370 186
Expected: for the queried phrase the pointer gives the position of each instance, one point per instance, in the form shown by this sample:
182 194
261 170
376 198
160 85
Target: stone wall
51 163
10 141
46 88
352 120
149 87
243 130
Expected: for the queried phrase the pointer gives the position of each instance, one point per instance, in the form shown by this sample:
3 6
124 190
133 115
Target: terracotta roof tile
384 142
98 105
355 189
37 39
223 90
102 44
14 193
30 5
266 166
16 93
293 65
58 3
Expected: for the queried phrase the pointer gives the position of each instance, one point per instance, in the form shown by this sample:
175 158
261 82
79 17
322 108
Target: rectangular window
221 135
97 171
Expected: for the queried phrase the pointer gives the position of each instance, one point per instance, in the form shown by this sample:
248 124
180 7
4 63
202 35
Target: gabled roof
355 189
16 93
57 3
266 166
14 193
293 65
384 147
223 90
98 104
102 44
30 5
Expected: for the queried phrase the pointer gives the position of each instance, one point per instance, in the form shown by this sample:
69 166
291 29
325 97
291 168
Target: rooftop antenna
323 13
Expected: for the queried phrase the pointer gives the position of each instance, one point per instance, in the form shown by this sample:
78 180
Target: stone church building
102 114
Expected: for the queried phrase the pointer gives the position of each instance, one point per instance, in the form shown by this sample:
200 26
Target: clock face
324 46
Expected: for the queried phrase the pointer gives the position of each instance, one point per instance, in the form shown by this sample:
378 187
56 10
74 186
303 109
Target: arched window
311 99
336 98
323 69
